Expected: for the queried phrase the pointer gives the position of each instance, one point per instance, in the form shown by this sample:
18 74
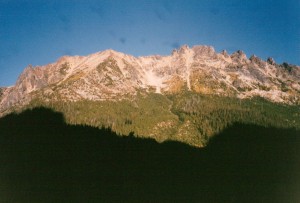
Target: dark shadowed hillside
42 159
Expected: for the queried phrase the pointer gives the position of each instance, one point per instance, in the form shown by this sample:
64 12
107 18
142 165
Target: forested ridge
44 159
187 117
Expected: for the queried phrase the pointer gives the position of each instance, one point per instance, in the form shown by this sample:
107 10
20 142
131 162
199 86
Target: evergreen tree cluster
187 117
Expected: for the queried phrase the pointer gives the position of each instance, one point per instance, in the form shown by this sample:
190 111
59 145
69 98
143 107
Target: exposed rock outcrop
271 61
239 57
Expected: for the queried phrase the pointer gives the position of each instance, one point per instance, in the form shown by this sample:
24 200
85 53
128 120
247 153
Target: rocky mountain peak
203 50
271 61
63 59
199 51
239 56
180 51
256 60
183 49
110 52
225 54
26 73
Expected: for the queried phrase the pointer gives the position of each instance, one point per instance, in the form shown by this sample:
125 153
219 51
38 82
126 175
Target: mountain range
187 96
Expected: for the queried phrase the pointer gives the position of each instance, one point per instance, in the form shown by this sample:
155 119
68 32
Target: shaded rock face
31 79
1 91
291 69
271 61
35 78
112 75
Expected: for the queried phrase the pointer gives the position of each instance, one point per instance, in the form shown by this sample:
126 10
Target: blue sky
39 32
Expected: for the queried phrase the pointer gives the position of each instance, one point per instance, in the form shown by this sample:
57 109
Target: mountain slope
200 69
187 96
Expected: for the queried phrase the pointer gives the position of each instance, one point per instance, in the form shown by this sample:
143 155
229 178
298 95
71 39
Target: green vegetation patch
187 117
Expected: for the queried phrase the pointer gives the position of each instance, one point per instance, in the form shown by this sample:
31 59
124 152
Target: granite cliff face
111 75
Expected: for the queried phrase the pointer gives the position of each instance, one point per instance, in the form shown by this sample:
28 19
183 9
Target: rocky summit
113 76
